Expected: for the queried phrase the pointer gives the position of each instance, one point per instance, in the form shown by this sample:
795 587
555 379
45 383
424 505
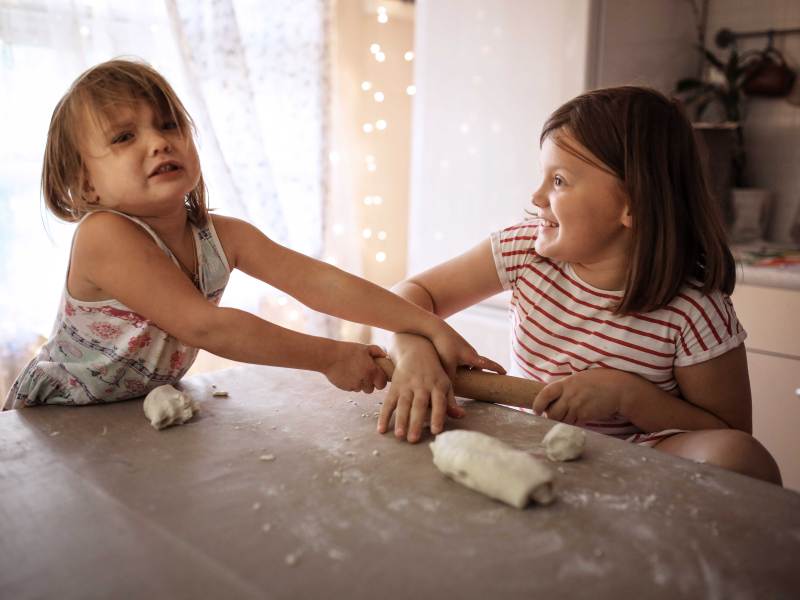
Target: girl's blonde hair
99 92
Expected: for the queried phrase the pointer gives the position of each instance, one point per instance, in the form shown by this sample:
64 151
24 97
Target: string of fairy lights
375 127
285 310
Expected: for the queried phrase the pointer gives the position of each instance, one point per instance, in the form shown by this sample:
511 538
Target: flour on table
564 442
293 558
166 406
487 465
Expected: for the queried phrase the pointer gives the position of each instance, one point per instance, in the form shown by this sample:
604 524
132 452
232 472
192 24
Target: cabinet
771 317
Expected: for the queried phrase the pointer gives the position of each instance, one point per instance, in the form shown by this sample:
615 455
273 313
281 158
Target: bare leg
727 448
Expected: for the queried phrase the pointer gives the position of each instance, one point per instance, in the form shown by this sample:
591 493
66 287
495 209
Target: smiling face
138 162
584 207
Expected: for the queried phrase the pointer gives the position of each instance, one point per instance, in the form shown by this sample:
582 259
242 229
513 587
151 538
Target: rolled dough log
166 406
564 442
487 465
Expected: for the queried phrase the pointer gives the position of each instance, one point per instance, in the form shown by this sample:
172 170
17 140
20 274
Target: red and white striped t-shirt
562 325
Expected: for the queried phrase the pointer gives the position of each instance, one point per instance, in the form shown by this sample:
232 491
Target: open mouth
166 167
542 222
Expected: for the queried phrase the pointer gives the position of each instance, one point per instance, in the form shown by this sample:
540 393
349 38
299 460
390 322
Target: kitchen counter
98 504
768 264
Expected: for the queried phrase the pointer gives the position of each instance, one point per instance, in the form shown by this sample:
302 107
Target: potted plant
724 88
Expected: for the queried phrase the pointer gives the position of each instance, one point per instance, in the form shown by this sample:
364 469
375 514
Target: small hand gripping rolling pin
485 386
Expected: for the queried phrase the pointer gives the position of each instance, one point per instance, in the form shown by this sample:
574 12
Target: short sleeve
512 249
710 327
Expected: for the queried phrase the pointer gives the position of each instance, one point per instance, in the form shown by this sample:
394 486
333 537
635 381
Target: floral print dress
105 352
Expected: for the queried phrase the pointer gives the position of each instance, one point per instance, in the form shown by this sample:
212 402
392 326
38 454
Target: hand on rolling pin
454 351
591 395
353 368
420 384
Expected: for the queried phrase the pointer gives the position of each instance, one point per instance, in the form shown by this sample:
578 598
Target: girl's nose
539 199
159 144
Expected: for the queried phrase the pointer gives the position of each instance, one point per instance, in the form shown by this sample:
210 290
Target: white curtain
253 75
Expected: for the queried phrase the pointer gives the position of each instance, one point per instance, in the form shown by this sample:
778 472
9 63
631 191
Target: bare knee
730 449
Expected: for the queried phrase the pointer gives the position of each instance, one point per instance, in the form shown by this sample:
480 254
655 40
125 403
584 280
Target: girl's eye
169 125
558 181
122 137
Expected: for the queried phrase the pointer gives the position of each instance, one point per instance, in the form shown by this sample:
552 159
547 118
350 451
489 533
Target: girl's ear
88 195
627 217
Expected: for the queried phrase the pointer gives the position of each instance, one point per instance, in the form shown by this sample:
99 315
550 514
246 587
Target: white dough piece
564 442
487 465
166 406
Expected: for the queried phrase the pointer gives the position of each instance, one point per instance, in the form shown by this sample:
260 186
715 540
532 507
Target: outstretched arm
118 259
325 288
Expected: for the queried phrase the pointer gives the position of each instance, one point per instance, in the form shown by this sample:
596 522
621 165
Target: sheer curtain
254 77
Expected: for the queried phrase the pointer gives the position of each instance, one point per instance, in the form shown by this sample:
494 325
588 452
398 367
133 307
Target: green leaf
710 57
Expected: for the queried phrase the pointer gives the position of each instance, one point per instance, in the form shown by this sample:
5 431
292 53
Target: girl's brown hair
645 140
99 92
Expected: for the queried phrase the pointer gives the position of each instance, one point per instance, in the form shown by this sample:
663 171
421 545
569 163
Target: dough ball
487 465
166 406
564 442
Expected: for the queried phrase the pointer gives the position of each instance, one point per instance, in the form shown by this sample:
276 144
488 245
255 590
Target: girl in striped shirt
620 292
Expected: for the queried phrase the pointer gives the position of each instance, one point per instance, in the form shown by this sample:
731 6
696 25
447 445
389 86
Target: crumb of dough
266 527
564 442
256 505
347 438
54 433
219 394
165 406
267 457
350 453
375 453
292 558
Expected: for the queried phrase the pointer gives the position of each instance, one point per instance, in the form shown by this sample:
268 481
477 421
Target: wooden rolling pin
485 386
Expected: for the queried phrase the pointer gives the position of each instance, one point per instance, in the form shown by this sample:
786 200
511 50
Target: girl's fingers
386 411
490 365
476 361
557 411
376 351
380 379
571 417
419 410
549 394
453 409
401 414
438 410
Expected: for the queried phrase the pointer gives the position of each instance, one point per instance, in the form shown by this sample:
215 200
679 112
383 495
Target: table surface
98 504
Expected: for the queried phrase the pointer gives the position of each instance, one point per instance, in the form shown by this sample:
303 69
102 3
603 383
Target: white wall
487 75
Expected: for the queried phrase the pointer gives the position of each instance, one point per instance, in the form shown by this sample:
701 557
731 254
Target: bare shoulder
103 237
237 237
